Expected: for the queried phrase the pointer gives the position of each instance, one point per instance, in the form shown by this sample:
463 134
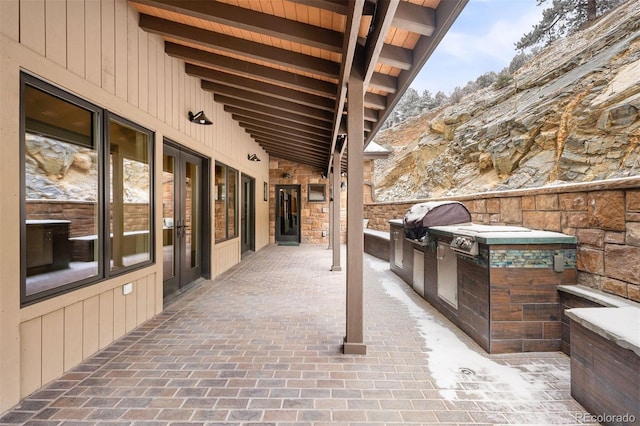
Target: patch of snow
448 356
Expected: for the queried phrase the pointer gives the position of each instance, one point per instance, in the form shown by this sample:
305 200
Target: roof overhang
280 67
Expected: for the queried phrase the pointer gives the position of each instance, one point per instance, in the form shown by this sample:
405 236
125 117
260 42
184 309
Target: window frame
222 194
108 117
101 142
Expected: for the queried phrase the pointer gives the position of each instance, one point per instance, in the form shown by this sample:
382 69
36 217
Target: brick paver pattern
261 344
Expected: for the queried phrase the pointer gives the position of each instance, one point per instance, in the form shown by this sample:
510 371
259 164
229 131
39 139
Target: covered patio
262 343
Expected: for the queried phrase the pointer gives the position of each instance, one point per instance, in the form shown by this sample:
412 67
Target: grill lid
433 213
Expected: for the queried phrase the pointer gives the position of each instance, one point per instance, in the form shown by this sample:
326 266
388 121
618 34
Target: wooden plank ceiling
280 67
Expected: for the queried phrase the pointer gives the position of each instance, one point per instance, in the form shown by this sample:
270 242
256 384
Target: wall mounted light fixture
287 175
199 118
252 157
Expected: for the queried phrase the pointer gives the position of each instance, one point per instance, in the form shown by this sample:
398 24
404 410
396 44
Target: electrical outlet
324 233
127 288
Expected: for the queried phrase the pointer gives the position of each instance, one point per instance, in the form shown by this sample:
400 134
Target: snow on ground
455 366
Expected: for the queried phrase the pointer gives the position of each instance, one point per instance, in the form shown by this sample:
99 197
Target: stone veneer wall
313 219
604 216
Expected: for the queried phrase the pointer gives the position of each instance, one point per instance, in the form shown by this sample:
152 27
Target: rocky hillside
570 115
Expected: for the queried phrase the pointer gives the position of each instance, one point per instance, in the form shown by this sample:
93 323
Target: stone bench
376 243
579 296
605 356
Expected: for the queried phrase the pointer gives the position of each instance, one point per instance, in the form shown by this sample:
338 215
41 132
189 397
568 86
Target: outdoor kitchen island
497 283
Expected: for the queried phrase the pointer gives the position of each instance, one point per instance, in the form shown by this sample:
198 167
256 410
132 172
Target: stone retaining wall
604 216
82 215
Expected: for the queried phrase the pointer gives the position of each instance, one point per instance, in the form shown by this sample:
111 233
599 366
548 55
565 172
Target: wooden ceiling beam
249 69
383 82
415 18
370 115
296 158
373 101
285 134
374 49
285 115
258 51
256 86
321 147
396 57
267 101
276 128
239 113
337 6
349 47
291 146
256 22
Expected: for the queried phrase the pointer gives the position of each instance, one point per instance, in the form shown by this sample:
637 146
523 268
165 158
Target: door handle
180 232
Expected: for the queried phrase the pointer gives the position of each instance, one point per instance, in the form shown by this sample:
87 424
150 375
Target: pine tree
564 17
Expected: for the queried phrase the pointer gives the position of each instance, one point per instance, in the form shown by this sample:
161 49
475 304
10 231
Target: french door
182 211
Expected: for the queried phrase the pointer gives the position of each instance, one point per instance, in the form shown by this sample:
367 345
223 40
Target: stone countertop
605 299
620 325
505 234
46 221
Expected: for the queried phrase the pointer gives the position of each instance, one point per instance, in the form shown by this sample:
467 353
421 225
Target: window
66 195
226 199
130 194
317 193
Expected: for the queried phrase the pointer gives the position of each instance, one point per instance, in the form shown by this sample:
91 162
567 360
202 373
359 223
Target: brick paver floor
262 345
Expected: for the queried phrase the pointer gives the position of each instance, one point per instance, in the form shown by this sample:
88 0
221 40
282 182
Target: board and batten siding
95 50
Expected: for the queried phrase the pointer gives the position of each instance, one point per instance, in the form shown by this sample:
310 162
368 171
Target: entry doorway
247 219
288 214
185 213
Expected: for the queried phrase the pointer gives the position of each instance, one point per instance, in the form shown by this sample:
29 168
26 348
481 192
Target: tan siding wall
95 50
226 255
57 341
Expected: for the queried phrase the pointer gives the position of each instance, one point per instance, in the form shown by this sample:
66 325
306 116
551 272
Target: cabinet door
39 246
447 274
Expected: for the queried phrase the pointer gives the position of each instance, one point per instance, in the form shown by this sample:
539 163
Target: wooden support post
335 224
354 339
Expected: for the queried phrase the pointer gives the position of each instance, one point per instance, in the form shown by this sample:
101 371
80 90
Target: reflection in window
192 207
168 215
232 192
226 196
86 193
61 172
130 185
317 192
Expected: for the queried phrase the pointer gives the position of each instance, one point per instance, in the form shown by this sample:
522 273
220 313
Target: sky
481 40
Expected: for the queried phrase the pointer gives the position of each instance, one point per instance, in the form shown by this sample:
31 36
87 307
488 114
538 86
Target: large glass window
226 200
66 241
130 194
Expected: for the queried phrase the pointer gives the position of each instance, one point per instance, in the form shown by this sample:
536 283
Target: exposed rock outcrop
570 115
